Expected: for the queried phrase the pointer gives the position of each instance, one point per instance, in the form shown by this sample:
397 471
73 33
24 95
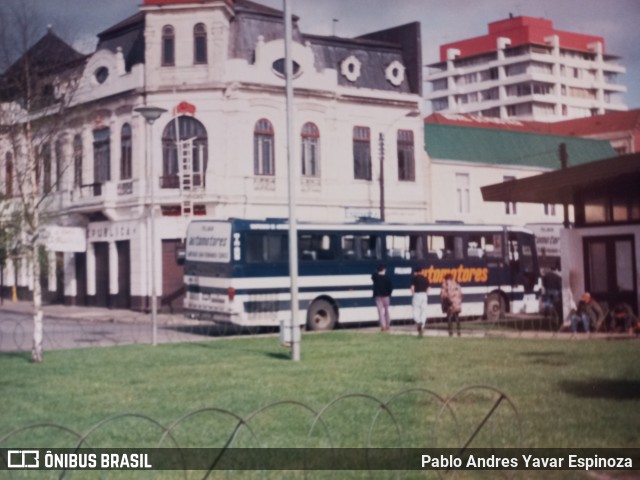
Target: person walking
419 300
552 283
451 300
382 289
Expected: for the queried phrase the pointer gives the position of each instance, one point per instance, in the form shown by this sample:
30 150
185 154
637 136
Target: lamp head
150 114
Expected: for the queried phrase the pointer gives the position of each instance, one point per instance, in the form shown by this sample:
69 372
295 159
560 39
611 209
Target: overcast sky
442 21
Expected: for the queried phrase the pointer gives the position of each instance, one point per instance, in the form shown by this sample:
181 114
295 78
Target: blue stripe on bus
266 305
273 291
513 296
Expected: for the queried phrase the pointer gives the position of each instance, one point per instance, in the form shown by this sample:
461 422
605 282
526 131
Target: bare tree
35 93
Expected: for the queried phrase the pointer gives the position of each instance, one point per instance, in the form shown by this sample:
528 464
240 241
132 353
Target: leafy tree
36 90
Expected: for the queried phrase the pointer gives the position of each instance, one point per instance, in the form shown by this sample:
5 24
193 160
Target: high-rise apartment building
524 68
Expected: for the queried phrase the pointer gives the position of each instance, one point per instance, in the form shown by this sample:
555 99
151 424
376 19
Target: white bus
237 271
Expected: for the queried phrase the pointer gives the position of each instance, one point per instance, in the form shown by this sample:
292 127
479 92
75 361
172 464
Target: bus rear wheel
321 316
494 307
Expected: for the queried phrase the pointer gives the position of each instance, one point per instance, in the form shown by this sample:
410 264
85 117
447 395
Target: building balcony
173 181
97 195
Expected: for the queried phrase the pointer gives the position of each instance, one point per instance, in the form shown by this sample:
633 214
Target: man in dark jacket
382 289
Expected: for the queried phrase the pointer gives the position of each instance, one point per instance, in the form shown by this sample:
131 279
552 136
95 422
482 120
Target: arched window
310 142
189 128
125 152
8 175
77 161
168 45
200 44
263 152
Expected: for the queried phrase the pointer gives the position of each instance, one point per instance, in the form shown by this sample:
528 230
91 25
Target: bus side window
348 247
486 245
398 246
266 247
446 246
313 246
325 250
417 248
435 247
360 247
370 247
458 247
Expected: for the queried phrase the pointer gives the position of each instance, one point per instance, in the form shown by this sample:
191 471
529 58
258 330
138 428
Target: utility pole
381 156
564 163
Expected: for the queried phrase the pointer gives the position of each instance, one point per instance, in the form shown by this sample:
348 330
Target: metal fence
478 416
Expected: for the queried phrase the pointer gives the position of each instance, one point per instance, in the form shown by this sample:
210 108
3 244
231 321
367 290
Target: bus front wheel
321 316
494 307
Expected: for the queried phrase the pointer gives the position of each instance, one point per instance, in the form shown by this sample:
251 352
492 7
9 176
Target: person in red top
451 299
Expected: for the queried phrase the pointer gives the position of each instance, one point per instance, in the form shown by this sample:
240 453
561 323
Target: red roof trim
184 108
521 31
174 2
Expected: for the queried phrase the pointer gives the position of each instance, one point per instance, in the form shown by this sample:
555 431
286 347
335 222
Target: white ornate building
524 68
219 151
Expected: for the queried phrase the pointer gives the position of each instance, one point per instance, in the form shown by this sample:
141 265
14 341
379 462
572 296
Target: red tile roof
610 122
474 121
597 124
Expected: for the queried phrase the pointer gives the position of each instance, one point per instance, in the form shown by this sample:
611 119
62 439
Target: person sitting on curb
589 313
622 318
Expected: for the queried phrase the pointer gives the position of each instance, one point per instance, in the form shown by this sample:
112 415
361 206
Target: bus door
522 261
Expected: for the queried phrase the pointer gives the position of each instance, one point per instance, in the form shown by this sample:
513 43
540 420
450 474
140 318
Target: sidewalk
165 319
92 313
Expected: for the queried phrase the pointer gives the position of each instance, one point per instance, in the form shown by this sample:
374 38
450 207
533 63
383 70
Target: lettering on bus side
460 274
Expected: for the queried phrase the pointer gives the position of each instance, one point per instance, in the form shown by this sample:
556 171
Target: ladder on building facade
185 162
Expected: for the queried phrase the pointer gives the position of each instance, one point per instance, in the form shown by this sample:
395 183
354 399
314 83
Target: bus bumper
530 303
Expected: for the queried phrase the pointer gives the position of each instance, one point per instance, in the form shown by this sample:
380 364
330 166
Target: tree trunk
38 328
34 226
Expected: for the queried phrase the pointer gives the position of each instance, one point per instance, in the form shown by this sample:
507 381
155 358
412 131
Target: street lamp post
381 150
151 114
293 226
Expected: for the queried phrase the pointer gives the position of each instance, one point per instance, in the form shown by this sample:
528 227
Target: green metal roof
505 147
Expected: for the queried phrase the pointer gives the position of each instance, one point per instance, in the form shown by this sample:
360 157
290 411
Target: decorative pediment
184 108
105 74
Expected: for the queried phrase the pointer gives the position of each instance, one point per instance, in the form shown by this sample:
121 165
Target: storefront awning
561 186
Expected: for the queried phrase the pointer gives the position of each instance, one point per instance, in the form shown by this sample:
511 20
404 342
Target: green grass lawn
560 393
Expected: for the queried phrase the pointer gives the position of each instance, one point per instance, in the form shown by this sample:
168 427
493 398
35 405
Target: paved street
77 327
